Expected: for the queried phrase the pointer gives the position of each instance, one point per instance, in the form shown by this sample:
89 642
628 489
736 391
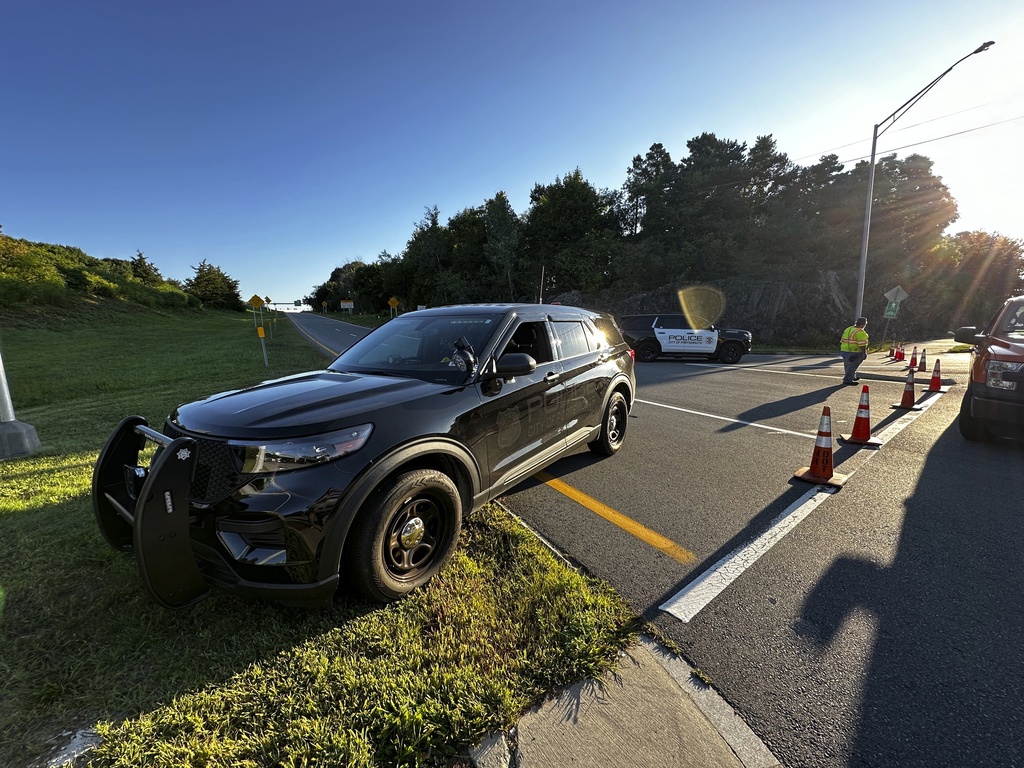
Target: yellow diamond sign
256 302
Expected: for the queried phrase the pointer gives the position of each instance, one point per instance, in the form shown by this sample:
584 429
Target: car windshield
1013 322
426 347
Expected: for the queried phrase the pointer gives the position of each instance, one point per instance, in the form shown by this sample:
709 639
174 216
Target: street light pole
885 125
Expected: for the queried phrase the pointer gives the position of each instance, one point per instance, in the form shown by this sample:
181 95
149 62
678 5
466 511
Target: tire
647 352
971 428
613 426
405 534
730 353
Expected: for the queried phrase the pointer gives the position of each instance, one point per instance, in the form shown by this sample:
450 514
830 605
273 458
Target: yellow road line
627 524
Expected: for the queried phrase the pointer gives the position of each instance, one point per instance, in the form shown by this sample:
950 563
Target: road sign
891 309
256 302
392 302
897 294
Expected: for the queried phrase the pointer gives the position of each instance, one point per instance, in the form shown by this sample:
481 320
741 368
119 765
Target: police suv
652 336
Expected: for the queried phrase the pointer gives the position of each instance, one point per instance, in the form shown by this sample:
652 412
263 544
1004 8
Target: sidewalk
651 711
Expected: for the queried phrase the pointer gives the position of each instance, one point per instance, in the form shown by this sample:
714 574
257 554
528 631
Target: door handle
551 376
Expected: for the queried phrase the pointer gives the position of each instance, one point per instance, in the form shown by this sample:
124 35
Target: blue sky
278 140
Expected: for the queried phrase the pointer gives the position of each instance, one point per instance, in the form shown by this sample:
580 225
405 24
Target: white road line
692 600
725 418
696 595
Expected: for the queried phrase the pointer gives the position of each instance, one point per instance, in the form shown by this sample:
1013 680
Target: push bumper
147 511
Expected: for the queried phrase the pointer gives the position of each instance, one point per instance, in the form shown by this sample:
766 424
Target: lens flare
702 305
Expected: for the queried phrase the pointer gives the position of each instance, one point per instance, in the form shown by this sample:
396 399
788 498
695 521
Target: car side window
673 322
601 333
570 338
531 339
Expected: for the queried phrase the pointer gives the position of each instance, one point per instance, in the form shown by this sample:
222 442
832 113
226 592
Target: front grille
216 475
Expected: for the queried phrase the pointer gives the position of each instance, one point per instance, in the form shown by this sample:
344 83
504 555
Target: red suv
994 401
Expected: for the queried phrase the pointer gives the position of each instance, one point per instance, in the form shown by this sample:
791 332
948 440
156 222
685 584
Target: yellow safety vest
854 340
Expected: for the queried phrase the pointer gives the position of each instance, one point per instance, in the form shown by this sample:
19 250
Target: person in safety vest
854 350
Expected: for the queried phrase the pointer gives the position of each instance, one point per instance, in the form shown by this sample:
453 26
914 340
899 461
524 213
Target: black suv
364 470
672 334
994 401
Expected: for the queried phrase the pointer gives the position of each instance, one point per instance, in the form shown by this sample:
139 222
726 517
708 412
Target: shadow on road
946 676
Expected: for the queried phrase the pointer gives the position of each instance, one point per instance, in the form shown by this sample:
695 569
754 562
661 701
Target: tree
647 175
425 275
504 231
568 232
214 289
990 270
143 271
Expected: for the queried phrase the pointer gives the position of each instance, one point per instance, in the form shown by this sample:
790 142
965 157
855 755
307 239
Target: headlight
995 370
281 456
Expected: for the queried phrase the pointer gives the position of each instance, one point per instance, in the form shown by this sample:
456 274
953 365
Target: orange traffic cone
935 385
892 349
922 367
862 425
913 359
901 354
820 470
907 403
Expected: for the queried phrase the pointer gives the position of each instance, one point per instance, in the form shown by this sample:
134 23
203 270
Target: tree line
48 275
781 242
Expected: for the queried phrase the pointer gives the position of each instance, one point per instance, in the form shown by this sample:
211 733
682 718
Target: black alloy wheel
613 426
406 533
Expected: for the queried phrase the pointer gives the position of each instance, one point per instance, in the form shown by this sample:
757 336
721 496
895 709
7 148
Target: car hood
1007 349
300 405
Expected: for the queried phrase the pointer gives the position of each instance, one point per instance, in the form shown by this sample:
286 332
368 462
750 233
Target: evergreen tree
144 271
215 289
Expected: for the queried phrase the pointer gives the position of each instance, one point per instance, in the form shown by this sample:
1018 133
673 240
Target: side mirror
510 365
968 335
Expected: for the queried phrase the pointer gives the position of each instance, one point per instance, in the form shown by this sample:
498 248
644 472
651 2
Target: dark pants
851 360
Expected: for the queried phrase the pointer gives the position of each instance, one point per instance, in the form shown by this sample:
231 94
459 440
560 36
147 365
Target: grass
233 682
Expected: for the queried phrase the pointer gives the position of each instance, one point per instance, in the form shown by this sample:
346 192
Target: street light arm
862 271
903 108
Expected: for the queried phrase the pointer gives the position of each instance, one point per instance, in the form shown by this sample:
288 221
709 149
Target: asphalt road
879 625
884 629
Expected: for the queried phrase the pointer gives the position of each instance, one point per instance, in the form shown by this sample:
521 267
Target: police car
652 336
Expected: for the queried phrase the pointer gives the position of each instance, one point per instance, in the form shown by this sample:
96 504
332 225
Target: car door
522 418
676 336
585 373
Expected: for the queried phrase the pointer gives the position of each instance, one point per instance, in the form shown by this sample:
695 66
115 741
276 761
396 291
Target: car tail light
632 354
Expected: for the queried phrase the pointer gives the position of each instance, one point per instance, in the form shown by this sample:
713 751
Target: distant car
994 401
362 472
654 335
